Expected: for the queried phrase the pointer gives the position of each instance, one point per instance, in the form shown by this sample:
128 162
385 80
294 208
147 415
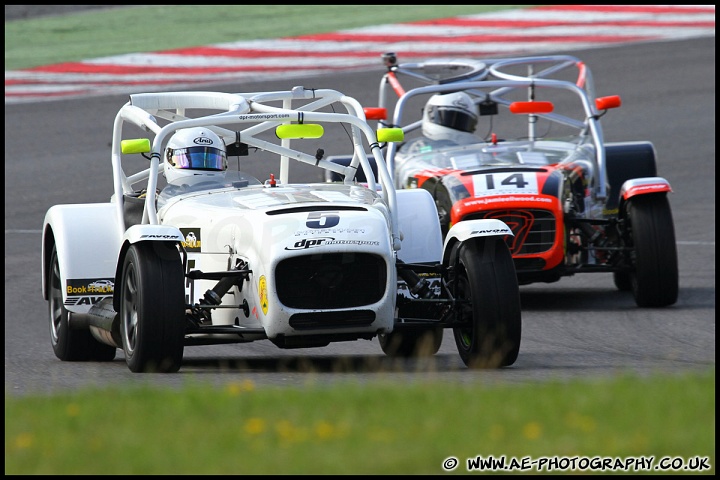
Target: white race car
221 257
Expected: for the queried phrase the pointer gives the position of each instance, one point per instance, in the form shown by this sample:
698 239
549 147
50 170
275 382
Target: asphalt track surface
578 328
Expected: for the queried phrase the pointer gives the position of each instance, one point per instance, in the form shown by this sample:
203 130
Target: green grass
100 33
352 428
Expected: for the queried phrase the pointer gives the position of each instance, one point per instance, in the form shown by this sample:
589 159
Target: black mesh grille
342 319
534 229
331 280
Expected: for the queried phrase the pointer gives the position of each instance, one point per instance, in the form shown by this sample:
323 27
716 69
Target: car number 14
502 183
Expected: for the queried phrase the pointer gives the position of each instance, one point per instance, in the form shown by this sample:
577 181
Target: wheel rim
56 308
129 309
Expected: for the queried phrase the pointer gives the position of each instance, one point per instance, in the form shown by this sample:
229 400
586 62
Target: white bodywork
254 226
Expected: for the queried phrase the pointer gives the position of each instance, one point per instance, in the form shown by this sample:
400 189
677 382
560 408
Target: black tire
624 161
655 276
444 208
443 204
486 276
417 343
70 344
623 281
152 308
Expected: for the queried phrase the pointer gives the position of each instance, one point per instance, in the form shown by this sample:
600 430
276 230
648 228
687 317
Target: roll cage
251 116
490 81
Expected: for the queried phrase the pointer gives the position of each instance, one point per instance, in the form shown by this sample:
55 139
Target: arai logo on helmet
460 102
202 141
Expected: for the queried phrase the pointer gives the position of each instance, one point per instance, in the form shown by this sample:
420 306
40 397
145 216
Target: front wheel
152 308
70 344
492 326
655 277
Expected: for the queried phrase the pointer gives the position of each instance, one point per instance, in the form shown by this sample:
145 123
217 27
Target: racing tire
486 277
444 208
624 161
152 307
417 343
655 276
70 344
443 205
622 281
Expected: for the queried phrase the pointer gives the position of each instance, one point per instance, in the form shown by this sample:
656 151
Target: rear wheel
655 277
152 308
444 208
623 281
70 344
486 278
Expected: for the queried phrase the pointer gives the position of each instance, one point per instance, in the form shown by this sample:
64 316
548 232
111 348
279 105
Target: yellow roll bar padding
390 135
135 145
299 130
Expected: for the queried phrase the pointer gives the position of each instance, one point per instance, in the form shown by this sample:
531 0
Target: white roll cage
250 111
451 75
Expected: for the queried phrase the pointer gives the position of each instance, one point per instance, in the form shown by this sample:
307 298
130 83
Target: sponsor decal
637 189
189 284
492 230
202 141
192 242
354 242
322 241
75 301
309 243
511 198
262 291
91 286
264 116
88 291
331 231
165 237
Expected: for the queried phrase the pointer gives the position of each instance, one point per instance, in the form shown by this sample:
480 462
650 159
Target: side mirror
299 130
375 113
531 107
604 103
385 135
136 145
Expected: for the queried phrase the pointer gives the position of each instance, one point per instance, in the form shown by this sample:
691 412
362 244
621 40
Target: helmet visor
199 158
457 119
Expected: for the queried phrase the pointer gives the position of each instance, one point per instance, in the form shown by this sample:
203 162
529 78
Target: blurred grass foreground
378 428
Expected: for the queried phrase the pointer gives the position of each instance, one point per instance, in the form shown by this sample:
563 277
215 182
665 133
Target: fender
467 229
421 238
87 239
153 233
142 233
643 186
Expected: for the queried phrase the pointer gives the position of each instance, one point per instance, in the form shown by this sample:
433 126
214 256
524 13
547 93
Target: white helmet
450 116
194 152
